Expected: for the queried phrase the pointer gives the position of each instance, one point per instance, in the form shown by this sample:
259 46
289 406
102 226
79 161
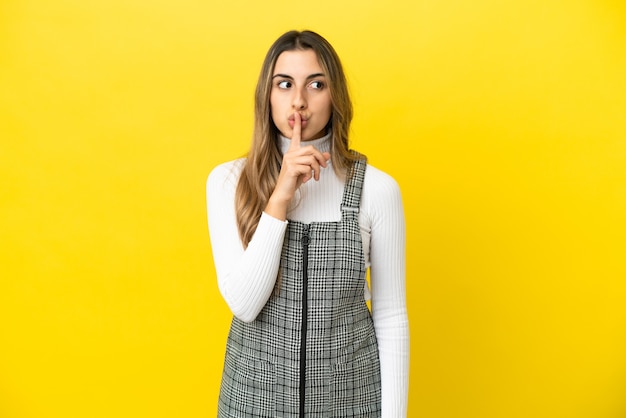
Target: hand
300 164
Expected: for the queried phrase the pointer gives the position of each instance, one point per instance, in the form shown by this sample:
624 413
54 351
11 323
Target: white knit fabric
246 277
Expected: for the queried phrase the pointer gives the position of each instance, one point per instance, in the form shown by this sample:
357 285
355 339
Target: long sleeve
245 278
382 203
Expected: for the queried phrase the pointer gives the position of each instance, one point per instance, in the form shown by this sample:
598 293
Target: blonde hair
262 166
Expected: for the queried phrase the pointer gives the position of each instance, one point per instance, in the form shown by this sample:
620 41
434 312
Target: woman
294 227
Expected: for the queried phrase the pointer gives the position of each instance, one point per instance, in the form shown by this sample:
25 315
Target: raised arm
246 278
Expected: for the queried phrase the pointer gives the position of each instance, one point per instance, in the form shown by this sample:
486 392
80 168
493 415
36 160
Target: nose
299 99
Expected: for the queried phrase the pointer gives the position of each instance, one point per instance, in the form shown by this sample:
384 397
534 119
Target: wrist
277 207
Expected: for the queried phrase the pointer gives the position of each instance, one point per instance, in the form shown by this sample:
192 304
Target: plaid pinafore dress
312 351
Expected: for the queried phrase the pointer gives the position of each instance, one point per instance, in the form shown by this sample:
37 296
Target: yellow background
503 122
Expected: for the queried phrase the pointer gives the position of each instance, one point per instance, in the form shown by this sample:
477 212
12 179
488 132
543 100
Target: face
300 85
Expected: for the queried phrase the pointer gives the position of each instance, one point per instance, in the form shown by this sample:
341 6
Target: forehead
298 63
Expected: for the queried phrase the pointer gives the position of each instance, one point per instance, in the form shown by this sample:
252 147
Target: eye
317 85
285 84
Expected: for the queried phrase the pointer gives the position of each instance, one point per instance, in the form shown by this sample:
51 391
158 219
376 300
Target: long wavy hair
262 165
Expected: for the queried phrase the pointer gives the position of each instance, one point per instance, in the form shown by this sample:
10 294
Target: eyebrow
291 78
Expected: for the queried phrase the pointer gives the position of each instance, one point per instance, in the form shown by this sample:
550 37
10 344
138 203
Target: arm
388 271
245 278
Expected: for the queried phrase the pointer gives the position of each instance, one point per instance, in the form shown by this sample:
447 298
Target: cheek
328 107
275 100
327 102
272 104
274 109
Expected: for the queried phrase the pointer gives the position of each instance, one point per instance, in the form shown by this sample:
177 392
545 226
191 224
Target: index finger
297 131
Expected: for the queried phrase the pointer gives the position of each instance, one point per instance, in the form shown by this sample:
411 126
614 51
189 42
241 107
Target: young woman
293 228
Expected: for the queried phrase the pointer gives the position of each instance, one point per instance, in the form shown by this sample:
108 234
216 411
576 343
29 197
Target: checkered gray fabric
262 367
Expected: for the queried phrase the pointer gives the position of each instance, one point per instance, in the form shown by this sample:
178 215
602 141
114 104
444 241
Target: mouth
292 121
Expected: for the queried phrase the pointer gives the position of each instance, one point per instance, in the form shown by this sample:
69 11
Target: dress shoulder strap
351 200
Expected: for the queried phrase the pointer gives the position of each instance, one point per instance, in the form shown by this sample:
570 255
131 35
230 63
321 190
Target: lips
292 121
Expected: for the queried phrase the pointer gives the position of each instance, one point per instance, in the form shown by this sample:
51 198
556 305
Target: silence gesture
300 164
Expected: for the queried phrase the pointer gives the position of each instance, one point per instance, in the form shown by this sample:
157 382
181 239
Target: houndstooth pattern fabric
262 367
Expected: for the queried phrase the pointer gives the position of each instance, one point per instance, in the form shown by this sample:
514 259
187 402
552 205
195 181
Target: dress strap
351 200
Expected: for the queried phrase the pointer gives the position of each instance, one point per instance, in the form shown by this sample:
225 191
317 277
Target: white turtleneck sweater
246 278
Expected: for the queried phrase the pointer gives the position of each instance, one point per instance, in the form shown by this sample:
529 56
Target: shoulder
226 173
380 183
381 199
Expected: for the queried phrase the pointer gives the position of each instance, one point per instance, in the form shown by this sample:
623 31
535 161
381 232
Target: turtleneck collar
322 144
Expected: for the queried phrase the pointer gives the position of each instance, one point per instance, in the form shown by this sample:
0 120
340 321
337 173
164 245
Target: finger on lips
297 131
308 158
